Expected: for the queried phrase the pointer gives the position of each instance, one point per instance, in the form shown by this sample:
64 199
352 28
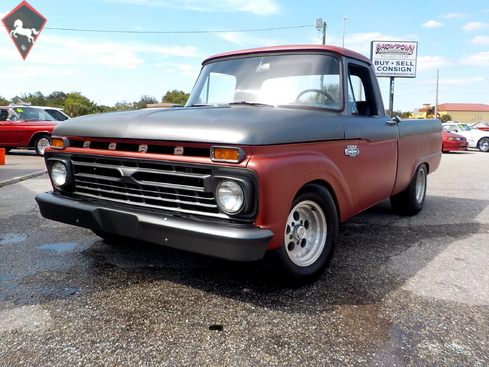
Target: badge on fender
352 151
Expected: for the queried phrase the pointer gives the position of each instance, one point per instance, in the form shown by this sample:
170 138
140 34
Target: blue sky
110 67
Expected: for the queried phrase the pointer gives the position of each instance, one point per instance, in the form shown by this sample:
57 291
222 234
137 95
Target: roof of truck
339 50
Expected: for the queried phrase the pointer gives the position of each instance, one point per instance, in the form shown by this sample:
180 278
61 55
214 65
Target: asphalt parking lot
399 292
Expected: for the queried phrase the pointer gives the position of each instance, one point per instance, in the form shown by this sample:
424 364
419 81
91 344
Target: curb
22 178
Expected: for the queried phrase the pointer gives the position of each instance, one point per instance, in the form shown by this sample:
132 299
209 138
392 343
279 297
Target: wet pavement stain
11 238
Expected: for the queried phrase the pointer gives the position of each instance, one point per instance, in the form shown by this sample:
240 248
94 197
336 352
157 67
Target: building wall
467 117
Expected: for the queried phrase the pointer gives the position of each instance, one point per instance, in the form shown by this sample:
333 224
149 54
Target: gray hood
240 125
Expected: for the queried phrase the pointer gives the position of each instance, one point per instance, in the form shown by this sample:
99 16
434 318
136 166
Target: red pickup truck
273 149
25 127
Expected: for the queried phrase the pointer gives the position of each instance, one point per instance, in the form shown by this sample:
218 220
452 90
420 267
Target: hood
240 125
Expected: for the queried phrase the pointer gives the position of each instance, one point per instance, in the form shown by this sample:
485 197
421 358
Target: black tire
410 201
483 145
41 143
309 236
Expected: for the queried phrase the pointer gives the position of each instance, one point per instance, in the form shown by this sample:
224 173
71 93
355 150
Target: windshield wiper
200 105
247 103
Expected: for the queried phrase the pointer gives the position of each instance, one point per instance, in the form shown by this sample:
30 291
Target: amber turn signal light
59 143
227 154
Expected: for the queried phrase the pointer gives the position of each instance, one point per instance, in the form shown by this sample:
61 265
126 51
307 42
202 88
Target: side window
360 94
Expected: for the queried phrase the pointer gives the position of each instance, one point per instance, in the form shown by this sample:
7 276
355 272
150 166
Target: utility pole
436 97
321 27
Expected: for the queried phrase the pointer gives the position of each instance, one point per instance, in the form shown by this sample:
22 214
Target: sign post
24 24
394 59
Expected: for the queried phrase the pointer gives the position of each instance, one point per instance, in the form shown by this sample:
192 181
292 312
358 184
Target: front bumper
240 243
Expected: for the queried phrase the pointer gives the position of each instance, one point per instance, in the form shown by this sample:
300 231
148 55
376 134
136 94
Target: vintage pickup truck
273 149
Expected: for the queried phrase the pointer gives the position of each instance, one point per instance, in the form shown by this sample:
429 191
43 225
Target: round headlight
230 196
59 173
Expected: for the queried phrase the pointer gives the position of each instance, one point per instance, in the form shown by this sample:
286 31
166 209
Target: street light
344 19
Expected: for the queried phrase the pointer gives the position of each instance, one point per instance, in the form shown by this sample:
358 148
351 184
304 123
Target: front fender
282 175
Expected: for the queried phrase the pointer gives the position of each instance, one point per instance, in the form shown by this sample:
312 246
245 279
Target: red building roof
471 107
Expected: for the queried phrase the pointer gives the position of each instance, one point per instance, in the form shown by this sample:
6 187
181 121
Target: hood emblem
178 150
352 151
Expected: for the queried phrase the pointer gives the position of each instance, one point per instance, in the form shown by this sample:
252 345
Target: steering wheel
328 96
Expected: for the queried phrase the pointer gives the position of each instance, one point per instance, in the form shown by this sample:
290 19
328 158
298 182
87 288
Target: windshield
285 80
32 114
464 127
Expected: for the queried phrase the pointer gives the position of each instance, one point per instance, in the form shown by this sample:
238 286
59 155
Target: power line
173 32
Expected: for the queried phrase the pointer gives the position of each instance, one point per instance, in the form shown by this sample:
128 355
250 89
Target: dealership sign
395 59
24 24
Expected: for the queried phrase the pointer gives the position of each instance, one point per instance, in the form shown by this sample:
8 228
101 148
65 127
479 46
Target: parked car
481 125
25 127
476 138
453 142
56 113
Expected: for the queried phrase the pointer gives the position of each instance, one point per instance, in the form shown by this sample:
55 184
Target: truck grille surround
169 186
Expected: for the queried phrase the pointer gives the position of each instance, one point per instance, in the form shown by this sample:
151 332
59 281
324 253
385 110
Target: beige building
464 112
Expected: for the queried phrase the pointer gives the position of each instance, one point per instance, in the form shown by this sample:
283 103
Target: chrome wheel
483 145
305 233
421 185
42 142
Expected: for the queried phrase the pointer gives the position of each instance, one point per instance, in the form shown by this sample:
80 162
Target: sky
118 50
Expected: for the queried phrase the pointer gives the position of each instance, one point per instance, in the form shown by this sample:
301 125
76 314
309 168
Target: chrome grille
159 185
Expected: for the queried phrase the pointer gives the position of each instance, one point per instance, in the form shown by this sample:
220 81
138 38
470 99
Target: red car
452 142
25 127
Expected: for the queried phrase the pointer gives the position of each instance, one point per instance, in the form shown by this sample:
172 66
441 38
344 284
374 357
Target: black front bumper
240 243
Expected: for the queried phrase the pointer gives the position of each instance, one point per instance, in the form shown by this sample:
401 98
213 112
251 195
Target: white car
56 113
476 138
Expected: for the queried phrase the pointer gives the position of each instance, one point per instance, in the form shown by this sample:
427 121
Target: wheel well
327 187
35 136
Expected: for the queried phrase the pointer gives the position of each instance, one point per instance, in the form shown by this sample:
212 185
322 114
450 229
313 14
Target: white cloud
432 24
28 71
480 40
361 42
475 26
259 7
480 59
460 81
453 15
66 51
426 63
247 40
191 71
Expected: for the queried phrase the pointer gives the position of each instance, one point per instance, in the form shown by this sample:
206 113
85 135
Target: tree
75 109
36 99
176 97
446 117
77 97
124 106
144 101
56 99
4 102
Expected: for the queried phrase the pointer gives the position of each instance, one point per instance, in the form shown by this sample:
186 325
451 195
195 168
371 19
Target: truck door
377 147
